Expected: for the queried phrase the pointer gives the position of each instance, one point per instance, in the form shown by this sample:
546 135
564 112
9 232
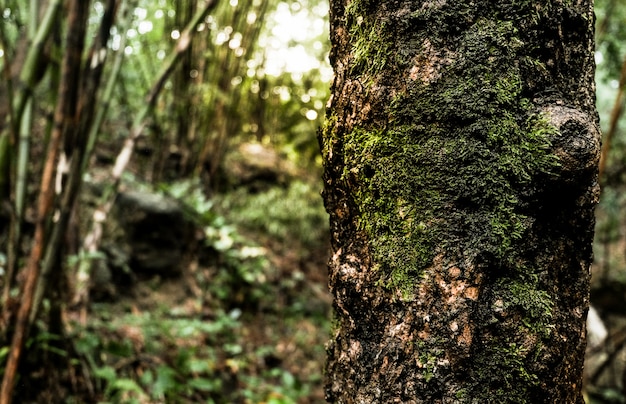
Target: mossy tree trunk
460 150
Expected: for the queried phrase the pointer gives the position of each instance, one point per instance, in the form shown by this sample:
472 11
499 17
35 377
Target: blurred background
195 271
606 353
184 242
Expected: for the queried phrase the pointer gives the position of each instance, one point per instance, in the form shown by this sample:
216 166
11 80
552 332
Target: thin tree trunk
76 150
105 99
460 165
616 113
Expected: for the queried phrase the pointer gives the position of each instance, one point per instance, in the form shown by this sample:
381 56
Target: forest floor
245 321
248 324
261 348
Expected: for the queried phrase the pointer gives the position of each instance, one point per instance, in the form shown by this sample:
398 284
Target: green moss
445 172
400 232
327 136
504 375
428 359
523 296
371 52
373 49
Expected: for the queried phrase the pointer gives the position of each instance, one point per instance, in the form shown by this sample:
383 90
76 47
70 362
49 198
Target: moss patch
449 168
504 376
373 52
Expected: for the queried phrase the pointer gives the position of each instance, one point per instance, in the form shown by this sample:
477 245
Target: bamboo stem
76 21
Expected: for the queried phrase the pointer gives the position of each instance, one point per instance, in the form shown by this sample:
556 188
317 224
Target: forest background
162 236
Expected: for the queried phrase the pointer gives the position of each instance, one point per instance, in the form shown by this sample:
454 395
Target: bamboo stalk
79 156
23 152
227 103
28 74
6 140
63 113
19 100
107 95
82 277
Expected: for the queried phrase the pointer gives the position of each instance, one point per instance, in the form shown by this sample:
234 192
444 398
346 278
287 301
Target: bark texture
460 150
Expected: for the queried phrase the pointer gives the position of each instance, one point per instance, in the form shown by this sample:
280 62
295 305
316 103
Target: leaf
106 372
288 379
86 344
127 385
205 384
4 351
196 365
165 381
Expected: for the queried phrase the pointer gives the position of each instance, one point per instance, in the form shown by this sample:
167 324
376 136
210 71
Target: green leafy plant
294 213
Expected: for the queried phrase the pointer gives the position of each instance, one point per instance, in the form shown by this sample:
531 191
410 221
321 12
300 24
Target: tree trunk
461 150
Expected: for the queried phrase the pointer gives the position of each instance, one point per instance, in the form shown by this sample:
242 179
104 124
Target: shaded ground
243 319
271 350
245 323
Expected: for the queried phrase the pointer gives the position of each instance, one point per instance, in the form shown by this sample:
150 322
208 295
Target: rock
152 231
255 167
596 330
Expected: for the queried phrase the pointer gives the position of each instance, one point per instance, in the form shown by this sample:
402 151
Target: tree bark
460 168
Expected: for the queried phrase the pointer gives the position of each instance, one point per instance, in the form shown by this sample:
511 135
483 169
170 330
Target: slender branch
140 121
81 290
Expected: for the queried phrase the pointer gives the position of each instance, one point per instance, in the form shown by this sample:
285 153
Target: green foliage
294 213
610 55
166 355
611 36
195 203
177 359
224 87
4 353
287 392
120 389
242 265
294 112
182 371
609 270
